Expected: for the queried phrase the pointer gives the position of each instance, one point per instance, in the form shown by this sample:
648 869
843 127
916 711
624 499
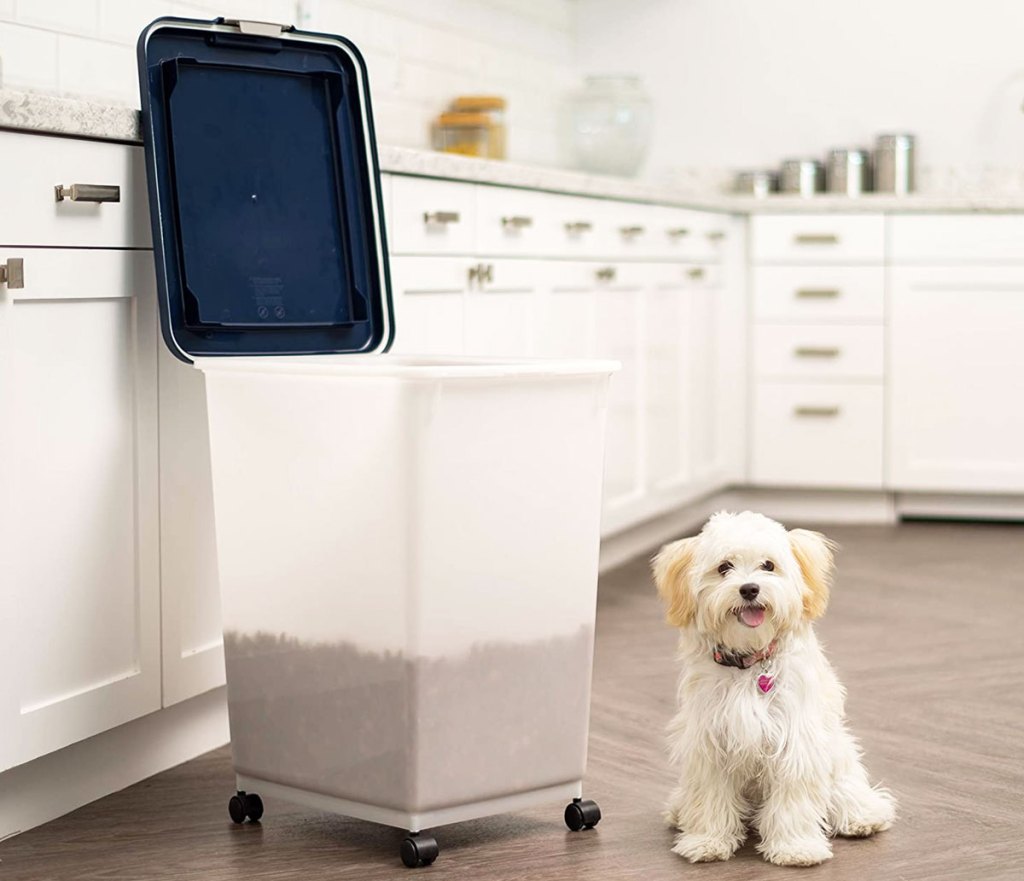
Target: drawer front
578 226
819 294
31 214
512 222
957 239
432 216
818 238
677 234
819 351
817 435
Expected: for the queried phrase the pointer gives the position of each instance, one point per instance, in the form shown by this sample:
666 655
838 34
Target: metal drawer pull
816 238
578 226
816 411
677 232
817 293
716 235
13 272
440 216
696 272
482 272
87 193
606 273
816 352
630 231
517 222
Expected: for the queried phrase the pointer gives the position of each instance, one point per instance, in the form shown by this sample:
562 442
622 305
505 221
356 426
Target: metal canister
894 164
803 176
848 172
758 183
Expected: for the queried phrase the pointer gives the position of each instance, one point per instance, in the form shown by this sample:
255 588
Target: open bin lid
264 191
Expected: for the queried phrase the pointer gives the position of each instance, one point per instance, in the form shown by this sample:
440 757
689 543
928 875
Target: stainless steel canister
756 183
803 176
848 172
894 164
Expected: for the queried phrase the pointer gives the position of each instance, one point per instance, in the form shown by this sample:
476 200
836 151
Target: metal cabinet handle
716 235
482 272
696 272
12 273
630 231
516 222
816 352
578 226
677 232
606 273
440 216
87 193
808 238
817 293
815 411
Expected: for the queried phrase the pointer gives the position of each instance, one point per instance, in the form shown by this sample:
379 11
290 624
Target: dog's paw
875 814
703 848
800 852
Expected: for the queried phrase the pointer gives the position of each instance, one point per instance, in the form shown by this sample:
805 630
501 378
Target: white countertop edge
65 115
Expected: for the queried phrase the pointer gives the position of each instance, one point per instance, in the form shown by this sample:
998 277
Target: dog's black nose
749 591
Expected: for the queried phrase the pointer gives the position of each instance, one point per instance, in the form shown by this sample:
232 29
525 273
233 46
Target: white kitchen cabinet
501 307
429 302
79 520
956 373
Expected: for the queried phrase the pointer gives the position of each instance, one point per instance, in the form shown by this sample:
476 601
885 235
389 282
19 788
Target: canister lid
264 191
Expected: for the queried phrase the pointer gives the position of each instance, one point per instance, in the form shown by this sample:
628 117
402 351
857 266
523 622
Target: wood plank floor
925 630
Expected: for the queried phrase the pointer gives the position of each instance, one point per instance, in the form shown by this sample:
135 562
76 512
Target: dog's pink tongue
752 617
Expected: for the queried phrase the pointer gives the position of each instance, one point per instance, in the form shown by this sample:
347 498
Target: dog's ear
672 576
814 553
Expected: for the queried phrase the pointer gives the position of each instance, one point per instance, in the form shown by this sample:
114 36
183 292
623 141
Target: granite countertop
42 112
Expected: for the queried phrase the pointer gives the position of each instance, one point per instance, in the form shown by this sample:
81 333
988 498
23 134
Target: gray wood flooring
925 629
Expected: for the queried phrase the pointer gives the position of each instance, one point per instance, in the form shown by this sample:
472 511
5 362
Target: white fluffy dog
760 735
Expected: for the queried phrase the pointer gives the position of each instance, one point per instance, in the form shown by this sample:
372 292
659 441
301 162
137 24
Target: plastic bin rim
407 367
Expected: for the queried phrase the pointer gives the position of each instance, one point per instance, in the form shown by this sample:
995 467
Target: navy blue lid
264 191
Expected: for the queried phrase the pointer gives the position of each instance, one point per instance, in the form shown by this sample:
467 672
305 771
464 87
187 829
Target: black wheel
236 807
419 850
582 814
253 806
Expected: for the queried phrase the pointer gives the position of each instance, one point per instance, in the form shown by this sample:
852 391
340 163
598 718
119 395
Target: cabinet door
79 556
193 648
956 367
501 308
566 311
429 298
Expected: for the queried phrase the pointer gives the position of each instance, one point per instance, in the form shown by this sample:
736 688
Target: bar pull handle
440 217
816 238
677 232
482 272
517 221
12 273
816 352
577 226
715 236
696 272
817 293
606 273
87 193
816 411
630 231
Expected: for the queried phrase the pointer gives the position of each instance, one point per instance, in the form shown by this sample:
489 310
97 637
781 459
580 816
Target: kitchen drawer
512 222
817 435
432 216
957 238
575 226
819 294
818 238
819 351
678 234
31 214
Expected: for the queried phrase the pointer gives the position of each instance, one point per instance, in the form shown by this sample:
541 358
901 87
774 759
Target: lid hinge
257 28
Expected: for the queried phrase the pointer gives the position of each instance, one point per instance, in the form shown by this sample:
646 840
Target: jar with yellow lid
494 106
466 133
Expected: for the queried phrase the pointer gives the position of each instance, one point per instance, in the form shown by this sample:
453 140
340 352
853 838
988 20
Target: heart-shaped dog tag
765 682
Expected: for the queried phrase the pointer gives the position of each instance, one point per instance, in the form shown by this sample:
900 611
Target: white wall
420 53
746 83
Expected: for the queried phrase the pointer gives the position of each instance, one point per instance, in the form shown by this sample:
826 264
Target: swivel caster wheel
245 804
582 814
419 850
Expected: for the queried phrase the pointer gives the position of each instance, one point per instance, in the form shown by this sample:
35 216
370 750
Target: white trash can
408 547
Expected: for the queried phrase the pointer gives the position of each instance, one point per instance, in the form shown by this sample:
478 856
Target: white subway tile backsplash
28 57
419 55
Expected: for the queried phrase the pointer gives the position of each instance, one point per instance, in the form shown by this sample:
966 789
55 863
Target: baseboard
55 784
950 506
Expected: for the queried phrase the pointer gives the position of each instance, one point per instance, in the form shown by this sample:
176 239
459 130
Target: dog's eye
768 566
724 567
